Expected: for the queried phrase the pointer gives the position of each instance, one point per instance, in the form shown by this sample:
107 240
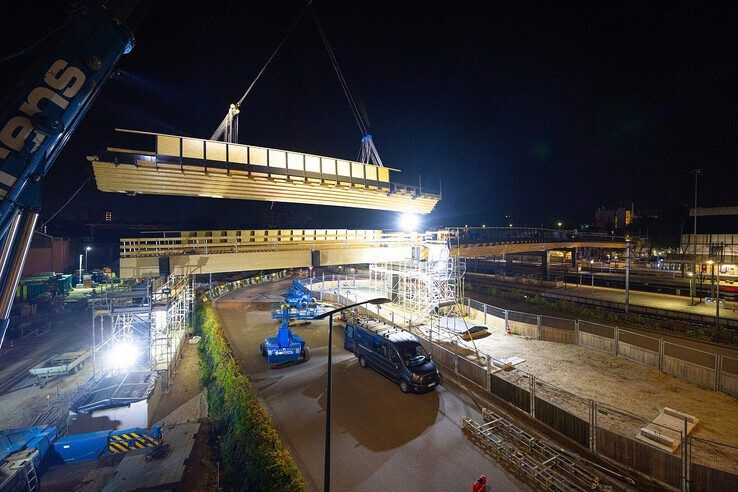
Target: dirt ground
185 402
619 383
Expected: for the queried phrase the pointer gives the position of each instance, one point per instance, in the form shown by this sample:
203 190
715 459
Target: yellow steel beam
182 166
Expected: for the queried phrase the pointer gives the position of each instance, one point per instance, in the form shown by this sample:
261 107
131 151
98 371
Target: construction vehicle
26 453
286 347
65 71
300 300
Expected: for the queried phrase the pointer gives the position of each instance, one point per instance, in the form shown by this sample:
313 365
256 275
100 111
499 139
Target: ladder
31 477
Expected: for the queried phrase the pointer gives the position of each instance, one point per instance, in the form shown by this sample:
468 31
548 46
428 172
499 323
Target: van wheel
404 386
362 361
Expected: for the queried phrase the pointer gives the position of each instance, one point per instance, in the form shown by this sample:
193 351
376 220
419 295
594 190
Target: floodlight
409 222
123 355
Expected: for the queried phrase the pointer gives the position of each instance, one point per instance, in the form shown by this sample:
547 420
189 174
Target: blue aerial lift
65 71
302 304
287 347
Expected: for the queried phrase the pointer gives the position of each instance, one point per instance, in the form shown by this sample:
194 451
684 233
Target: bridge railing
477 235
237 241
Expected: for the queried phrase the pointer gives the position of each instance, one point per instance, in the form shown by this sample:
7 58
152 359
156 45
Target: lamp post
87 250
694 235
327 449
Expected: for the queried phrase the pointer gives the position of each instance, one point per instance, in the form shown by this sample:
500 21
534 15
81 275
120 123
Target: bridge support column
544 264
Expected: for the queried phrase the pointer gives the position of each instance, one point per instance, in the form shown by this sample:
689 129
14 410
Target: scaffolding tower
142 326
429 282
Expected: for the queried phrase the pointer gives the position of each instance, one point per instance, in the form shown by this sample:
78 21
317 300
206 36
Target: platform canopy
182 166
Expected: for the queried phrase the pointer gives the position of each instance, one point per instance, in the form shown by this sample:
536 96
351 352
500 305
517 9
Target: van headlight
417 377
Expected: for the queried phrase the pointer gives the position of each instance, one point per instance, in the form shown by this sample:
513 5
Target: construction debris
543 465
667 429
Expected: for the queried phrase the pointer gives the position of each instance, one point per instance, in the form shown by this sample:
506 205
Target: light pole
87 250
696 172
627 275
327 449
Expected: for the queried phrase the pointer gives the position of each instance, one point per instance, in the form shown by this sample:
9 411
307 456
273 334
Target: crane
68 69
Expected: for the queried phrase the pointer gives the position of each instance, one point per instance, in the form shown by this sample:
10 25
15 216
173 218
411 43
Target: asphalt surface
381 439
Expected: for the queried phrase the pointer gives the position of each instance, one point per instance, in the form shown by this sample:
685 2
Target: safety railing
482 235
237 241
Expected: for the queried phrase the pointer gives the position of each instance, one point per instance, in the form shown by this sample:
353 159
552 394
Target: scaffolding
142 326
430 282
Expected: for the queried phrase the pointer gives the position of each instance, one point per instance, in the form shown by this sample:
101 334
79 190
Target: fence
602 429
704 368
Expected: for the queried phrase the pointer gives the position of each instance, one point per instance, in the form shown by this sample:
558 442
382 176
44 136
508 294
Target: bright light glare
123 355
409 222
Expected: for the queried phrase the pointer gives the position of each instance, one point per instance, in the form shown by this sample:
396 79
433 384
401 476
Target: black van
394 353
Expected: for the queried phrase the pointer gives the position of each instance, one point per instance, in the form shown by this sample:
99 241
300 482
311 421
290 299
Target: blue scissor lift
287 347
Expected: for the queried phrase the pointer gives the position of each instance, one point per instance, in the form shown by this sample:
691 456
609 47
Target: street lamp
694 234
87 250
327 452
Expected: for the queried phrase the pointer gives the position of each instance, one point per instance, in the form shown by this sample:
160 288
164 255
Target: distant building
614 219
48 254
715 244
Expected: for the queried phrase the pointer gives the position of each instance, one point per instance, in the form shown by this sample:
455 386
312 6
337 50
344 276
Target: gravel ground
620 383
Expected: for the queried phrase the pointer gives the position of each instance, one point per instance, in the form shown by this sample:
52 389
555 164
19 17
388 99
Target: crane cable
341 80
223 124
363 127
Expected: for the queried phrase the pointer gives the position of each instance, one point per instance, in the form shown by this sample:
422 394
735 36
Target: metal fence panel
443 356
562 421
558 323
640 456
708 479
692 355
605 331
523 323
558 335
729 375
639 340
510 393
473 372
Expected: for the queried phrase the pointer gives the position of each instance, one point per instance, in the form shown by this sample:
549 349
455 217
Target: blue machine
286 347
74 448
299 300
93 445
53 92
15 440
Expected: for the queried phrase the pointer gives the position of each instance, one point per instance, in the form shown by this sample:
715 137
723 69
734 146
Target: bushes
252 454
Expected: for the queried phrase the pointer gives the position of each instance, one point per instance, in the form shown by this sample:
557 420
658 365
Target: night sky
545 112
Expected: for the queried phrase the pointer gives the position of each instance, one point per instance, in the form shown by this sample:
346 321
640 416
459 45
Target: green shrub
252 454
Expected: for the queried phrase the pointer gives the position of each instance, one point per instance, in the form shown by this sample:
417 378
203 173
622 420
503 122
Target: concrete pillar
574 257
544 265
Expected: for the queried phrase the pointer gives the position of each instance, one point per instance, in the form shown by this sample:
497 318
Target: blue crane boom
38 118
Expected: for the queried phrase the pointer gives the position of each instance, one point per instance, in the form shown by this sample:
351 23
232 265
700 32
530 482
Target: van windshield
413 355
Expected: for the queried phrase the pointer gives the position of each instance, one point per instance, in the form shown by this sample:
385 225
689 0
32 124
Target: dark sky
542 110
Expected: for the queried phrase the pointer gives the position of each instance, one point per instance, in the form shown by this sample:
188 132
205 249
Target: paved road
381 438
